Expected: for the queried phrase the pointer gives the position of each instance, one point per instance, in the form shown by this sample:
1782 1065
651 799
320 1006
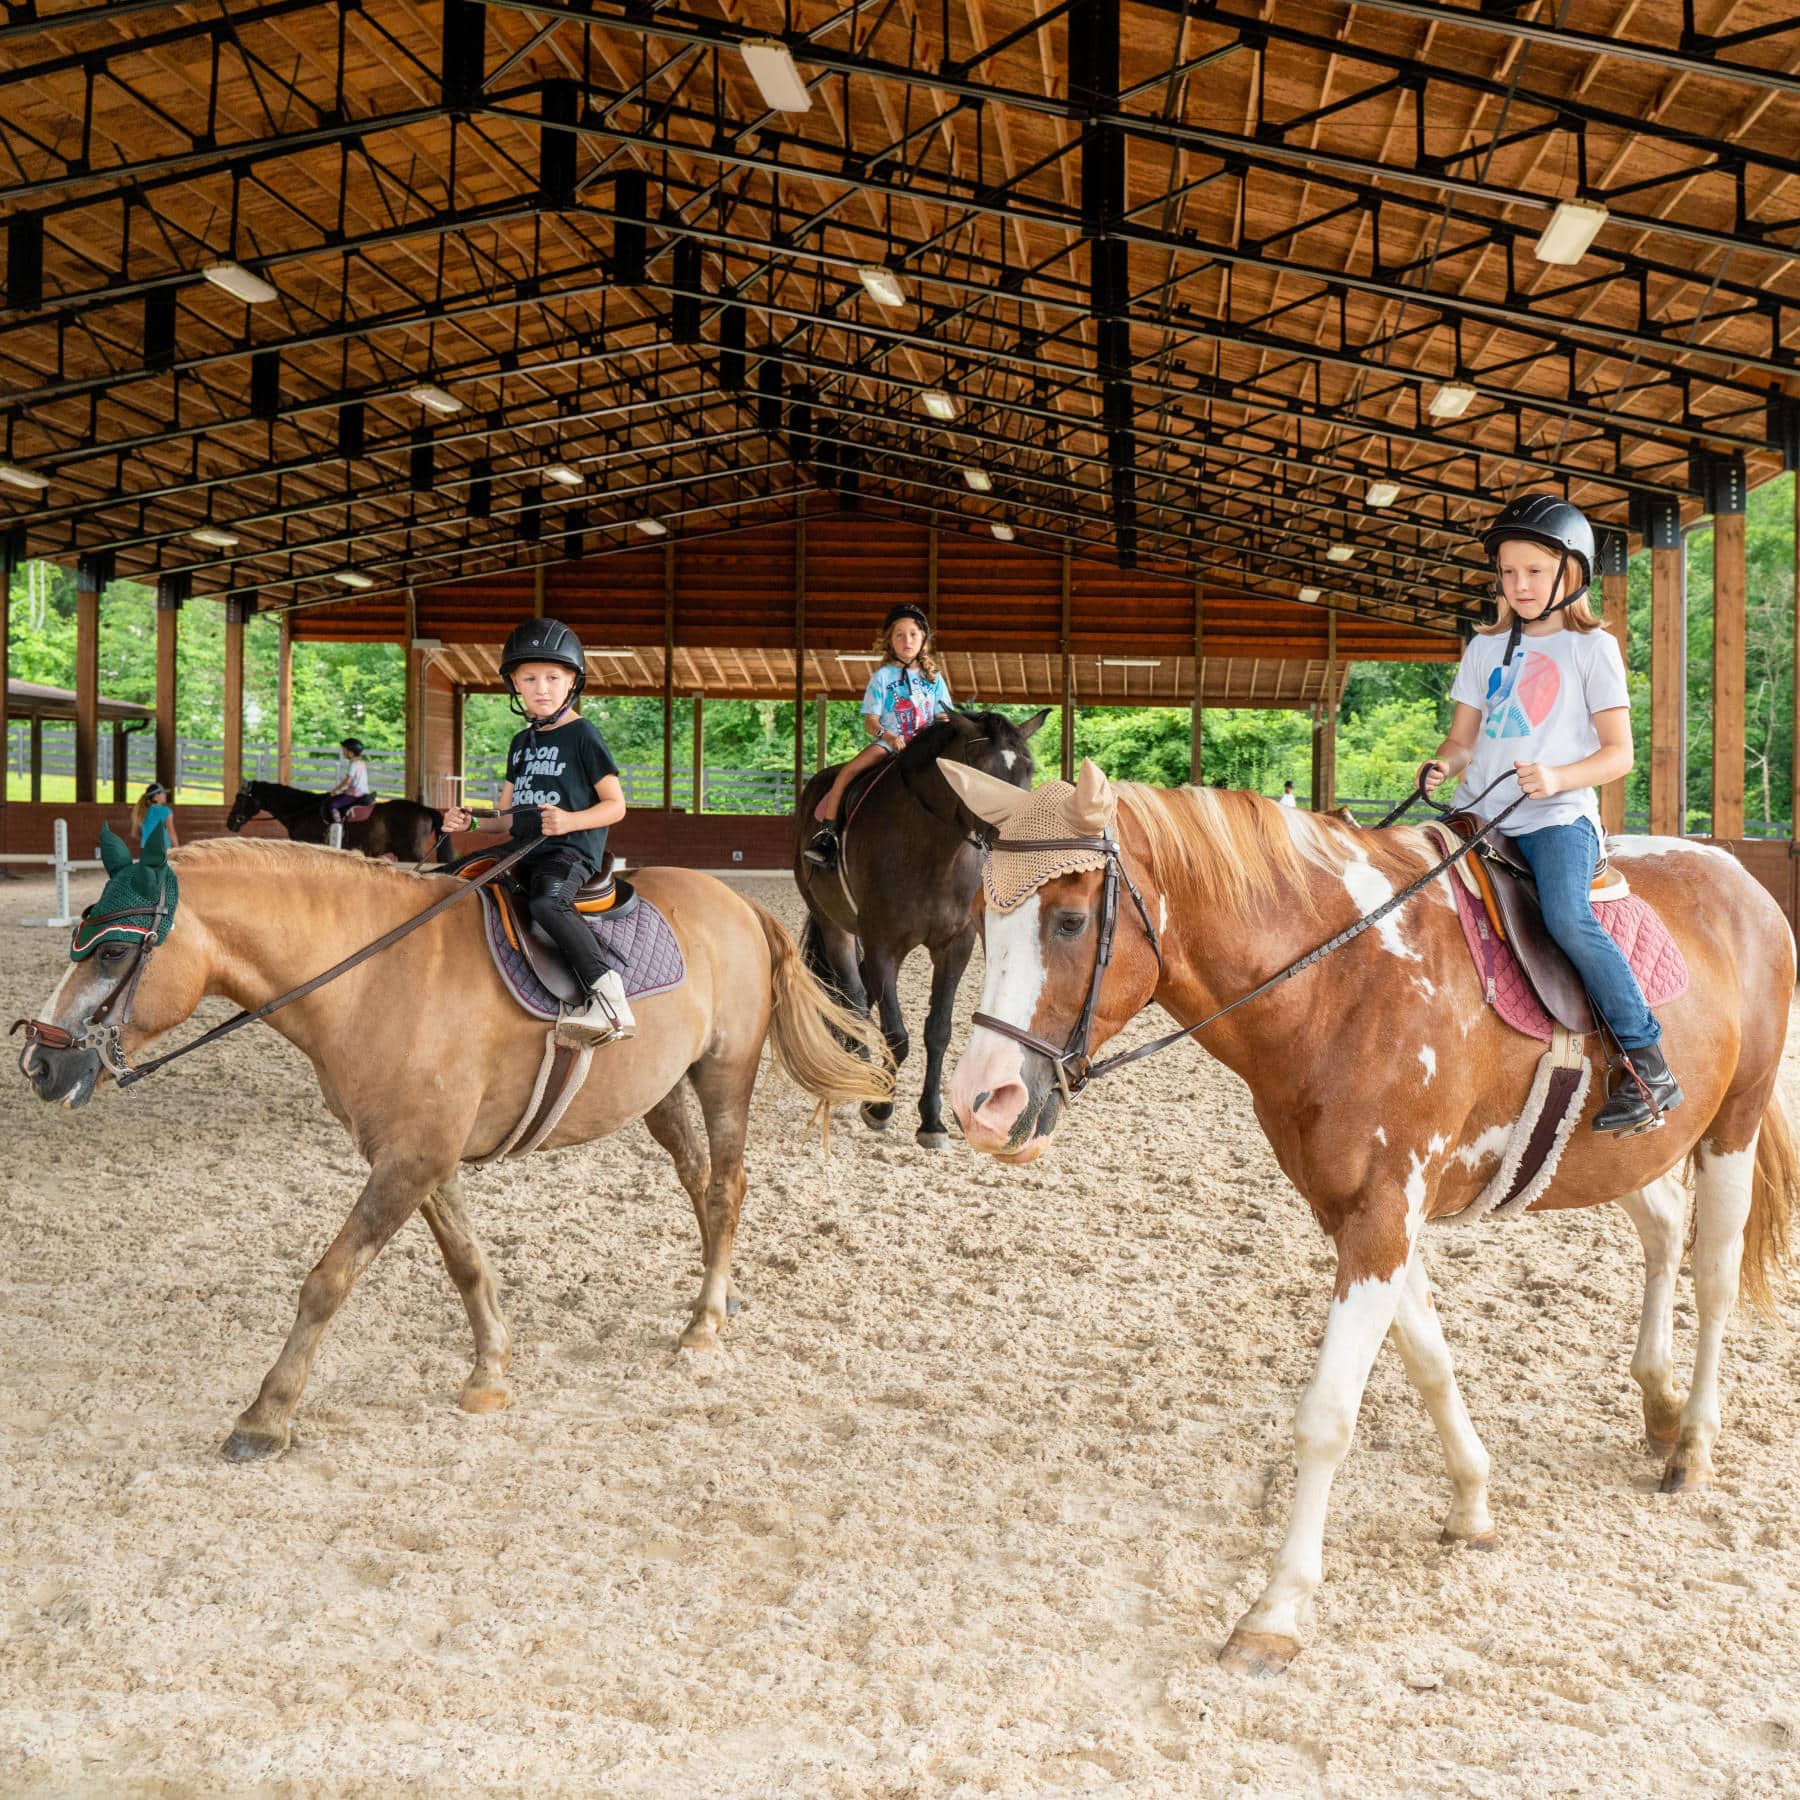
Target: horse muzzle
59 1066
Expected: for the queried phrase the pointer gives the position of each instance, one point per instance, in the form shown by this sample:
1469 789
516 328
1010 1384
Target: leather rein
101 1031
1073 1067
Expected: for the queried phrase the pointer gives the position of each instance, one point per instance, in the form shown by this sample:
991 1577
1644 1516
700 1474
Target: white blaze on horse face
1009 757
1369 888
992 1068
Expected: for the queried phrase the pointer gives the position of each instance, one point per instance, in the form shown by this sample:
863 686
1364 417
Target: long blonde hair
1579 617
143 805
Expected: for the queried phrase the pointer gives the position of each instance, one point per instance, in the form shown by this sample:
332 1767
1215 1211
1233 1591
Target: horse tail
835 1054
1774 1187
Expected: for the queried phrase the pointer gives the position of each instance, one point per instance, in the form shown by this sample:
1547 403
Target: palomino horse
1385 1086
402 828
908 875
425 1058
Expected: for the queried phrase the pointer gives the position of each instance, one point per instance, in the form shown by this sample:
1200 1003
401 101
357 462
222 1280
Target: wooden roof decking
1189 310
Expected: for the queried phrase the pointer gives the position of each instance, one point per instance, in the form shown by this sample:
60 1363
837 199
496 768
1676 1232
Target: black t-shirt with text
563 767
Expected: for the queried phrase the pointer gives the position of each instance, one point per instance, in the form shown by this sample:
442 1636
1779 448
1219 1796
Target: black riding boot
822 851
1626 1110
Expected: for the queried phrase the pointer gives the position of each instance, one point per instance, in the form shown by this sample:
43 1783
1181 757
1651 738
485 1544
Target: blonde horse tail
835 1054
1774 1186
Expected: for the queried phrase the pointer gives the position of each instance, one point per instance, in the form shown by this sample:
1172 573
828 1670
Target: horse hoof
1480 1540
932 1140
1686 1478
702 1334
485 1397
877 1118
1258 1653
251 1446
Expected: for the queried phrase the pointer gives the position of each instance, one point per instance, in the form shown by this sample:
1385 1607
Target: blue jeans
1563 858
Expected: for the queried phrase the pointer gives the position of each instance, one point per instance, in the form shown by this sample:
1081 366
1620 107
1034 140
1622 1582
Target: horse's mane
1227 850
282 853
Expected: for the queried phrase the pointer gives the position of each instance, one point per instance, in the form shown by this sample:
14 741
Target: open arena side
1165 353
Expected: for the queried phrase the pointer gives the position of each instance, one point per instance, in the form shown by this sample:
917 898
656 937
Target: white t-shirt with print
1540 709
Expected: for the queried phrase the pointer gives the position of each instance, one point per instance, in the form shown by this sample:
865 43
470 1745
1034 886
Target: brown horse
402 828
429 1063
1387 1088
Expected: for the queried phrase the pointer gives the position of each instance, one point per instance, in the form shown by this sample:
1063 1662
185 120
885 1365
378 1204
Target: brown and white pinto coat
1388 1090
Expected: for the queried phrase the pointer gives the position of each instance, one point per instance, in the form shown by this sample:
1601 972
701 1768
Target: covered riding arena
1168 355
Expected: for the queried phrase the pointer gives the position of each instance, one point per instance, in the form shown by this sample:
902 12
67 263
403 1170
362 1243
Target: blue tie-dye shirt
904 701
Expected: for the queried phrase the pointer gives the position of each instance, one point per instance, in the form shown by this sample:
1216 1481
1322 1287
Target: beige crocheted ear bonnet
1055 810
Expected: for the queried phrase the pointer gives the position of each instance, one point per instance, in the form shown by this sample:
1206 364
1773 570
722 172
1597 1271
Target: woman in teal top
151 811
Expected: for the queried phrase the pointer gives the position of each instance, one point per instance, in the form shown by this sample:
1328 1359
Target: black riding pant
551 877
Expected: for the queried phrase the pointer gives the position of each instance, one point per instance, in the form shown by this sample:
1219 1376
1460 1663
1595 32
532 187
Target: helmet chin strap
1556 606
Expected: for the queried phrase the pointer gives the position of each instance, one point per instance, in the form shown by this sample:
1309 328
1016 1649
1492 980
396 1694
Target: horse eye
112 952
1071 924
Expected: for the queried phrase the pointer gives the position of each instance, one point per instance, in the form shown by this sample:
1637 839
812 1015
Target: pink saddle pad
1655 959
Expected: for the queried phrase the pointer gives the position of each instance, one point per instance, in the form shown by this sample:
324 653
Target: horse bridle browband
1074 1054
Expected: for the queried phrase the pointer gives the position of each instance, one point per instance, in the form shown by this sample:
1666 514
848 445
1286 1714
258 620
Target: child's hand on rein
553 821
1537 781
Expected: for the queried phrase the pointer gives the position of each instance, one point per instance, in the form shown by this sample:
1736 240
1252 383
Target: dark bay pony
1387 1090
905 881
429 1063
401 828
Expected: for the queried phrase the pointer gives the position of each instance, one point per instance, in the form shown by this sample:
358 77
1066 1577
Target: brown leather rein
1073 1068
101 1032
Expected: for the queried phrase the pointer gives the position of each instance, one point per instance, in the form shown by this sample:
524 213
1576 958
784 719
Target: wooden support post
121 782
415 703
537 590
284 701
1195 764
171 591
1729 582
231 776
1794 671
459 700
1324 742
668 685
799 661
931 572
1668 684
1613 615
821 732
699 753
88 582
37 758
1068 677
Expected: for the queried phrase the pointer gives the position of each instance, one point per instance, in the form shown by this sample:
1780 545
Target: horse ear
113 852
986 796
1093 806
156 847
1031 727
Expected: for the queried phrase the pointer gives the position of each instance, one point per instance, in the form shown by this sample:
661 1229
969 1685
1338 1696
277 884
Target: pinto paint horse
1384 1084
429 1063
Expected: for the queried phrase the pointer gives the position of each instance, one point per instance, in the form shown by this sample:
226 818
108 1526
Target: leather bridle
1073 1068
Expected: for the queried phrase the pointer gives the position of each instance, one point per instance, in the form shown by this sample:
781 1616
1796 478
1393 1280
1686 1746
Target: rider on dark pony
1541 700
905 694
562 787
352 787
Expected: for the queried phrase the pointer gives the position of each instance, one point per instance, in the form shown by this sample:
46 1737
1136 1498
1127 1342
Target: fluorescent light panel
214 539
652 527
1131 662
1003 532
883 285
1451 401
978 481
435 399
939 404
354 578
1309 595
28 479
1383 493
857 656
240 284
1570 234
1339 553
563 475
614 655
772 68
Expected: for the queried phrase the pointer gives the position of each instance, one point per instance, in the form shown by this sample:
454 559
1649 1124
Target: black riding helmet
1544 519
905 610
353 745
543 640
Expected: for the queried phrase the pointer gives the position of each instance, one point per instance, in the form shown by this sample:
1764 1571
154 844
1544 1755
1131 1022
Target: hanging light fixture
240 284
883 285
28 479
215 539
777 77
652 527
1570 234
1003 532
1451 401
977 480
1310 596
1339 553
435 399
354 578
563 475
939 404
1383 493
